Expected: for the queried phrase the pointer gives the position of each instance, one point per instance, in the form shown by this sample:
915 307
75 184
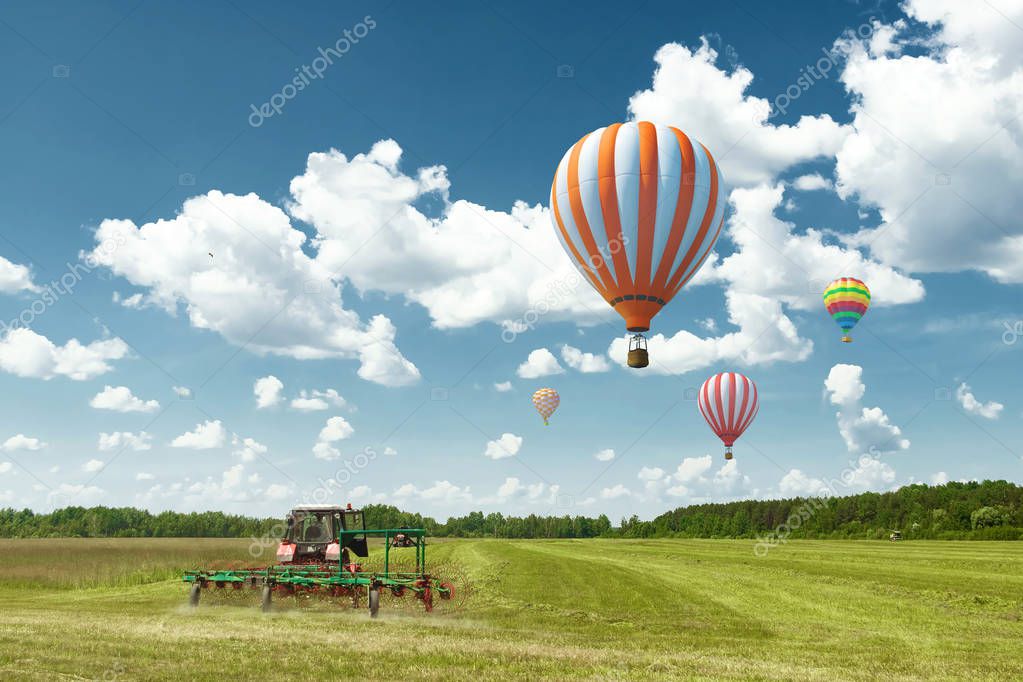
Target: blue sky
354 271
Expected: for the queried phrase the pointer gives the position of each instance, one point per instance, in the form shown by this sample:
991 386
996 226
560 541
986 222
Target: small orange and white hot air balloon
546 400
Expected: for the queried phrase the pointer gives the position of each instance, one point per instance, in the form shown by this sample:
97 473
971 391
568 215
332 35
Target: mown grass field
584 609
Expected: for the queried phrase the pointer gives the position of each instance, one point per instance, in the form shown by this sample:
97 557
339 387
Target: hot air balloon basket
847 339
638 358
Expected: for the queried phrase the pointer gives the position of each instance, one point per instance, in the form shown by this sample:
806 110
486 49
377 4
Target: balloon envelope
728 401
546 400
847 299
638 207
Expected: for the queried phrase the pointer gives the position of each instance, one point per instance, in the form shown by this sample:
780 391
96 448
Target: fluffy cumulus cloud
125 440
946 187
267 391
866 473
336 429
605 455
25 353
15 278
468 265
92 466
247 449
121 399
22 442
540 363
206 436
503 386
690 92
261 291
508 445
314 401
441 492
969 402
765 334
586 363
862 428
695 480
811 182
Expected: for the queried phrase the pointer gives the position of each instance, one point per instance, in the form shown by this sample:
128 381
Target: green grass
567 609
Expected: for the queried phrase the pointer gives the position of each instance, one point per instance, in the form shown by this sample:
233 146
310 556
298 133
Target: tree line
990 510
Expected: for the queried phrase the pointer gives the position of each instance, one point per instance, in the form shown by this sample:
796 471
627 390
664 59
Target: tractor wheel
374 602
264 603
193 594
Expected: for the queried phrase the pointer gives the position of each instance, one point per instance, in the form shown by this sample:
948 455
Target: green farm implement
315 557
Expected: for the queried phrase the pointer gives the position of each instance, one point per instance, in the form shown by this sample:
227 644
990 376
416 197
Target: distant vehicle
895 536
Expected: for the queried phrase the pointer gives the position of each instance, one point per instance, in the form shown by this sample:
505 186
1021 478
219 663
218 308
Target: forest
988 510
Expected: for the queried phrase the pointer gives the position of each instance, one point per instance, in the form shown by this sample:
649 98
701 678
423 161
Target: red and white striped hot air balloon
638 207
728 401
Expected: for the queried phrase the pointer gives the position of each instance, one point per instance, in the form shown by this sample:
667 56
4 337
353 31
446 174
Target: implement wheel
449 590
374 602
193 594
264 602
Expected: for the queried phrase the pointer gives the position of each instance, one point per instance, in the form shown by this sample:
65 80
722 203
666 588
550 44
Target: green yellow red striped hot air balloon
847 300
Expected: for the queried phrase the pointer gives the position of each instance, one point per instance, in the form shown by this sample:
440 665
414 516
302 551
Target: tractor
315 556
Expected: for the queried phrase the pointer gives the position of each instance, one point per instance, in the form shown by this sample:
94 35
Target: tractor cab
314 534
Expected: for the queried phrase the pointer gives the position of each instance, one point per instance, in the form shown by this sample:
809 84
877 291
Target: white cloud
540 363
584 362
78 494
182 392
262 291
120 399
797 484
25 353
313 401
811 182
336 428
862 428
125 439
135 301
939 478
615 492
946 187
605 455
15 278
22 442
468 265
306 404
689 91
144 476
5 467
267 391
795 268
92 466
277 491
503 386
443 492
765 335
206 436
507 445
247 449
988 410
389 451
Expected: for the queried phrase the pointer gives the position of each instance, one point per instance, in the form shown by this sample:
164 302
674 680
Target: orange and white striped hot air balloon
546 400
638 207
